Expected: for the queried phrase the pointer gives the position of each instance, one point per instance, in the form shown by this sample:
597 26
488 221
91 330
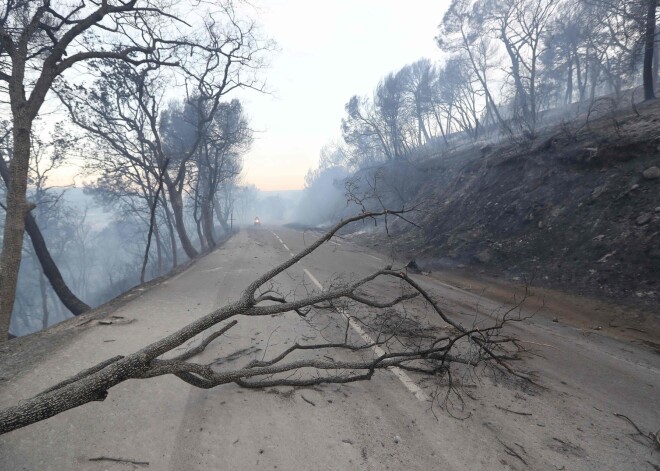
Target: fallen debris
307 400
512 411
120 460
511 452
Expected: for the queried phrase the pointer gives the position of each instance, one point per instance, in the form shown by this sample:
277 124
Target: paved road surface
382 424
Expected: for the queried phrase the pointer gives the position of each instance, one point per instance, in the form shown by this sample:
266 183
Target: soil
615 320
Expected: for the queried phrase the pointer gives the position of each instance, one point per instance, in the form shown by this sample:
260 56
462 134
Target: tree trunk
656 55
568 98
70 300
159 251
170 230
649 40
198 223
44 302
484 84
200 235
207 222
177 209
221 217
10 258
517 80
578 74
152 223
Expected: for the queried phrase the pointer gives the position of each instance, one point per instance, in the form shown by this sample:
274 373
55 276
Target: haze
329 51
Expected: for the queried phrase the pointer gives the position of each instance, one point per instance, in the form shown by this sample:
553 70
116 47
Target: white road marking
314 280
282 242
374 257
398 372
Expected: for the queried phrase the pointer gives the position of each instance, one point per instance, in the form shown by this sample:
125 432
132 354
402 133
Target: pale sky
329 51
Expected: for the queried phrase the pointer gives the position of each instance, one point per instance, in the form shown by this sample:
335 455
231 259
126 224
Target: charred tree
48 265
649 44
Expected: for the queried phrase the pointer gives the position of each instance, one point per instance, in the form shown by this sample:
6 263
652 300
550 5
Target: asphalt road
389 422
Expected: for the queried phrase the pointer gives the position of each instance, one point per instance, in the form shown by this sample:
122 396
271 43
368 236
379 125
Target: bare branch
435 355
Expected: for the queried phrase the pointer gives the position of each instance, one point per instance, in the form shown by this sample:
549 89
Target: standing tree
41 42
364 130
521 26
219 163
461 33
649 42
419 88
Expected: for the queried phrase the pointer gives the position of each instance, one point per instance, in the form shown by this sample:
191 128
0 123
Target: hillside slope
578 208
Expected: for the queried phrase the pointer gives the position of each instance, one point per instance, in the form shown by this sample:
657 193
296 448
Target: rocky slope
577 208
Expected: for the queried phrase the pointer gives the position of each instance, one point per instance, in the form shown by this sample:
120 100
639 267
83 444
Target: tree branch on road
345 302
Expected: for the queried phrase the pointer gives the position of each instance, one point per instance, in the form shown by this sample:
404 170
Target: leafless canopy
45 46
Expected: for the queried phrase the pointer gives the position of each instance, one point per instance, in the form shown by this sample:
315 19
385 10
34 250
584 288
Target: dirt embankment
577 209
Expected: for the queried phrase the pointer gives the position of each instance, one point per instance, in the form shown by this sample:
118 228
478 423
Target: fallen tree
467 347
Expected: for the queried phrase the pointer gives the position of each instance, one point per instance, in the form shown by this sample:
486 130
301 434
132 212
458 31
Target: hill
577 208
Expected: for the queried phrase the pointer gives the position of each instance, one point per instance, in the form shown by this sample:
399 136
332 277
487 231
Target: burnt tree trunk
70 300
207 222
649 40
170 231
221 216
159 250
176 202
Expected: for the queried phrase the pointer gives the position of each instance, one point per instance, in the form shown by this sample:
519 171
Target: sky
328 51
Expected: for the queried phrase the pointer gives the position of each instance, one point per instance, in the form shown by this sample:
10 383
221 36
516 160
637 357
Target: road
386 423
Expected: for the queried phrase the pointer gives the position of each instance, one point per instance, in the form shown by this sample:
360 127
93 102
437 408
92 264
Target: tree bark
159 250
152 222
70 300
